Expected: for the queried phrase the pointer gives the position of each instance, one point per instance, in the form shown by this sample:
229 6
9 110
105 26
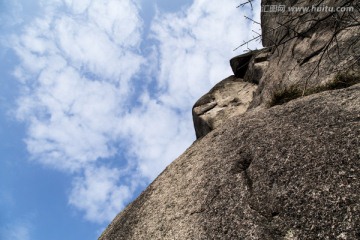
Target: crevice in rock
242 164
259 212
201 210
240 64
315 53
204 109
216 193
248 181
274 214
260 59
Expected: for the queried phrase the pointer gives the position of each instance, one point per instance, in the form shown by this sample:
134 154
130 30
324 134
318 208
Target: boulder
233 95
228 98
251 65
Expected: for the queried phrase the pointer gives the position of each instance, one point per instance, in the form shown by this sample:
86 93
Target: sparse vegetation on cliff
341 80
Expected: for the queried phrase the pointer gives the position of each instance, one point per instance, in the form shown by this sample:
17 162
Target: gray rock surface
261 170
251 65
228 98
233 95
308 48
288 172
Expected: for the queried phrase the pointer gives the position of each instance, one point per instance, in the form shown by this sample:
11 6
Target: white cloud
195 47
77 82
91 48
193 50
76 67
16 231
158 135
10 13
79 70
120 19
78 6
80 129
98 194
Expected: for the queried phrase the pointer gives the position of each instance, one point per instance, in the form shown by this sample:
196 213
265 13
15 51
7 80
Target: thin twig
248 2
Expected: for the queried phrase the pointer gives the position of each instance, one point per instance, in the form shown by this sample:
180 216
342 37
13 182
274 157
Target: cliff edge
278 148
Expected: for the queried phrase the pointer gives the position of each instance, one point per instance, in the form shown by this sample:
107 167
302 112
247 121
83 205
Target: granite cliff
278 148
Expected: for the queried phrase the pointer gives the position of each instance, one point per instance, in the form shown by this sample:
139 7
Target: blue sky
95 101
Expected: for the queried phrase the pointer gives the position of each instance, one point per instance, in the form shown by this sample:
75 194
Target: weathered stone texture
308 49
289 172
259 171
228 98
251 65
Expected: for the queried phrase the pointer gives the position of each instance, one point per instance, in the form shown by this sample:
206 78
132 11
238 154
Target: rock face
278 148
308 48
289 172
298 59
233 95
252 65
228 98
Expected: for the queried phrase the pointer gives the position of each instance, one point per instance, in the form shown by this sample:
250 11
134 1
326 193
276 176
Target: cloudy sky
95 101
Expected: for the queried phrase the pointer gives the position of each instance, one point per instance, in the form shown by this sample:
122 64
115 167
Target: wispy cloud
98 194
82 67
10 14
192 51
16 231
195 47
76 67
76 70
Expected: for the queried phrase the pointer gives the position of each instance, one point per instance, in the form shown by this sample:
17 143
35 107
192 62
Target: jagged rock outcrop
309 48
282 164
230 97
251 65
233 95
305 53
